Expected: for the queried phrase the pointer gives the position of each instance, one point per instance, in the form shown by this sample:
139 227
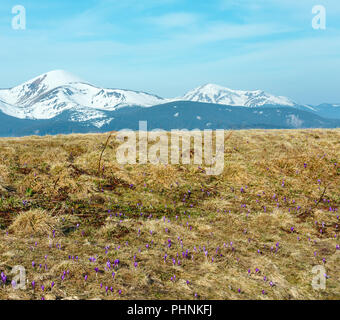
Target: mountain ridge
49 94
212 93
58 102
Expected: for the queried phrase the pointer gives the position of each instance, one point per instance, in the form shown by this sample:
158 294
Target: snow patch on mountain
101 123
294 121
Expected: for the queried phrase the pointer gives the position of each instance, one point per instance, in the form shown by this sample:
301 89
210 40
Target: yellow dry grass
273 211
34 222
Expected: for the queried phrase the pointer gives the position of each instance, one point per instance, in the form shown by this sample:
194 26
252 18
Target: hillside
168 116
89 229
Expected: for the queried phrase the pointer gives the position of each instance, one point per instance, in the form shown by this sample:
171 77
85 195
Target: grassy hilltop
85 229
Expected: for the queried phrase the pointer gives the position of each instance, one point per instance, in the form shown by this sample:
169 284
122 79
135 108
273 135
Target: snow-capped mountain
27 92
52 93
212 93
59 102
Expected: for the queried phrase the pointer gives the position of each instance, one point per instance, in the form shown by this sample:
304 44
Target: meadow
85 227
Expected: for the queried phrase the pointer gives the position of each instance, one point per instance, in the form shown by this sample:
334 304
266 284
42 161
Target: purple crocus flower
3 277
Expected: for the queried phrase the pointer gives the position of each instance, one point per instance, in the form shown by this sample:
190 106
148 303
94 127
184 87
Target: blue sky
168 47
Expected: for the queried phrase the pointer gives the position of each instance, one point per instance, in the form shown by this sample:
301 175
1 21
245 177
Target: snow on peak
26 93
54 92
212 93
57 78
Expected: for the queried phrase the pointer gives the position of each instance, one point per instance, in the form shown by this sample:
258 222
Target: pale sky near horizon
168 47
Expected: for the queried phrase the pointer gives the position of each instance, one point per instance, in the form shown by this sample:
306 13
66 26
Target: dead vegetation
34 222
254 232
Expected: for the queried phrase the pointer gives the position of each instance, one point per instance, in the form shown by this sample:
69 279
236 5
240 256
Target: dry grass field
170 231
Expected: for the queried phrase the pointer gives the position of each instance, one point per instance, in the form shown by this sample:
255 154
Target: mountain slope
327 110
174 115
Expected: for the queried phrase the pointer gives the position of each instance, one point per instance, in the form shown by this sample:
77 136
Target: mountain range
59 102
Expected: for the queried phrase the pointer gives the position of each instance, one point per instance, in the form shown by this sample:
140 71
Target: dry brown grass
34 222
52 183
